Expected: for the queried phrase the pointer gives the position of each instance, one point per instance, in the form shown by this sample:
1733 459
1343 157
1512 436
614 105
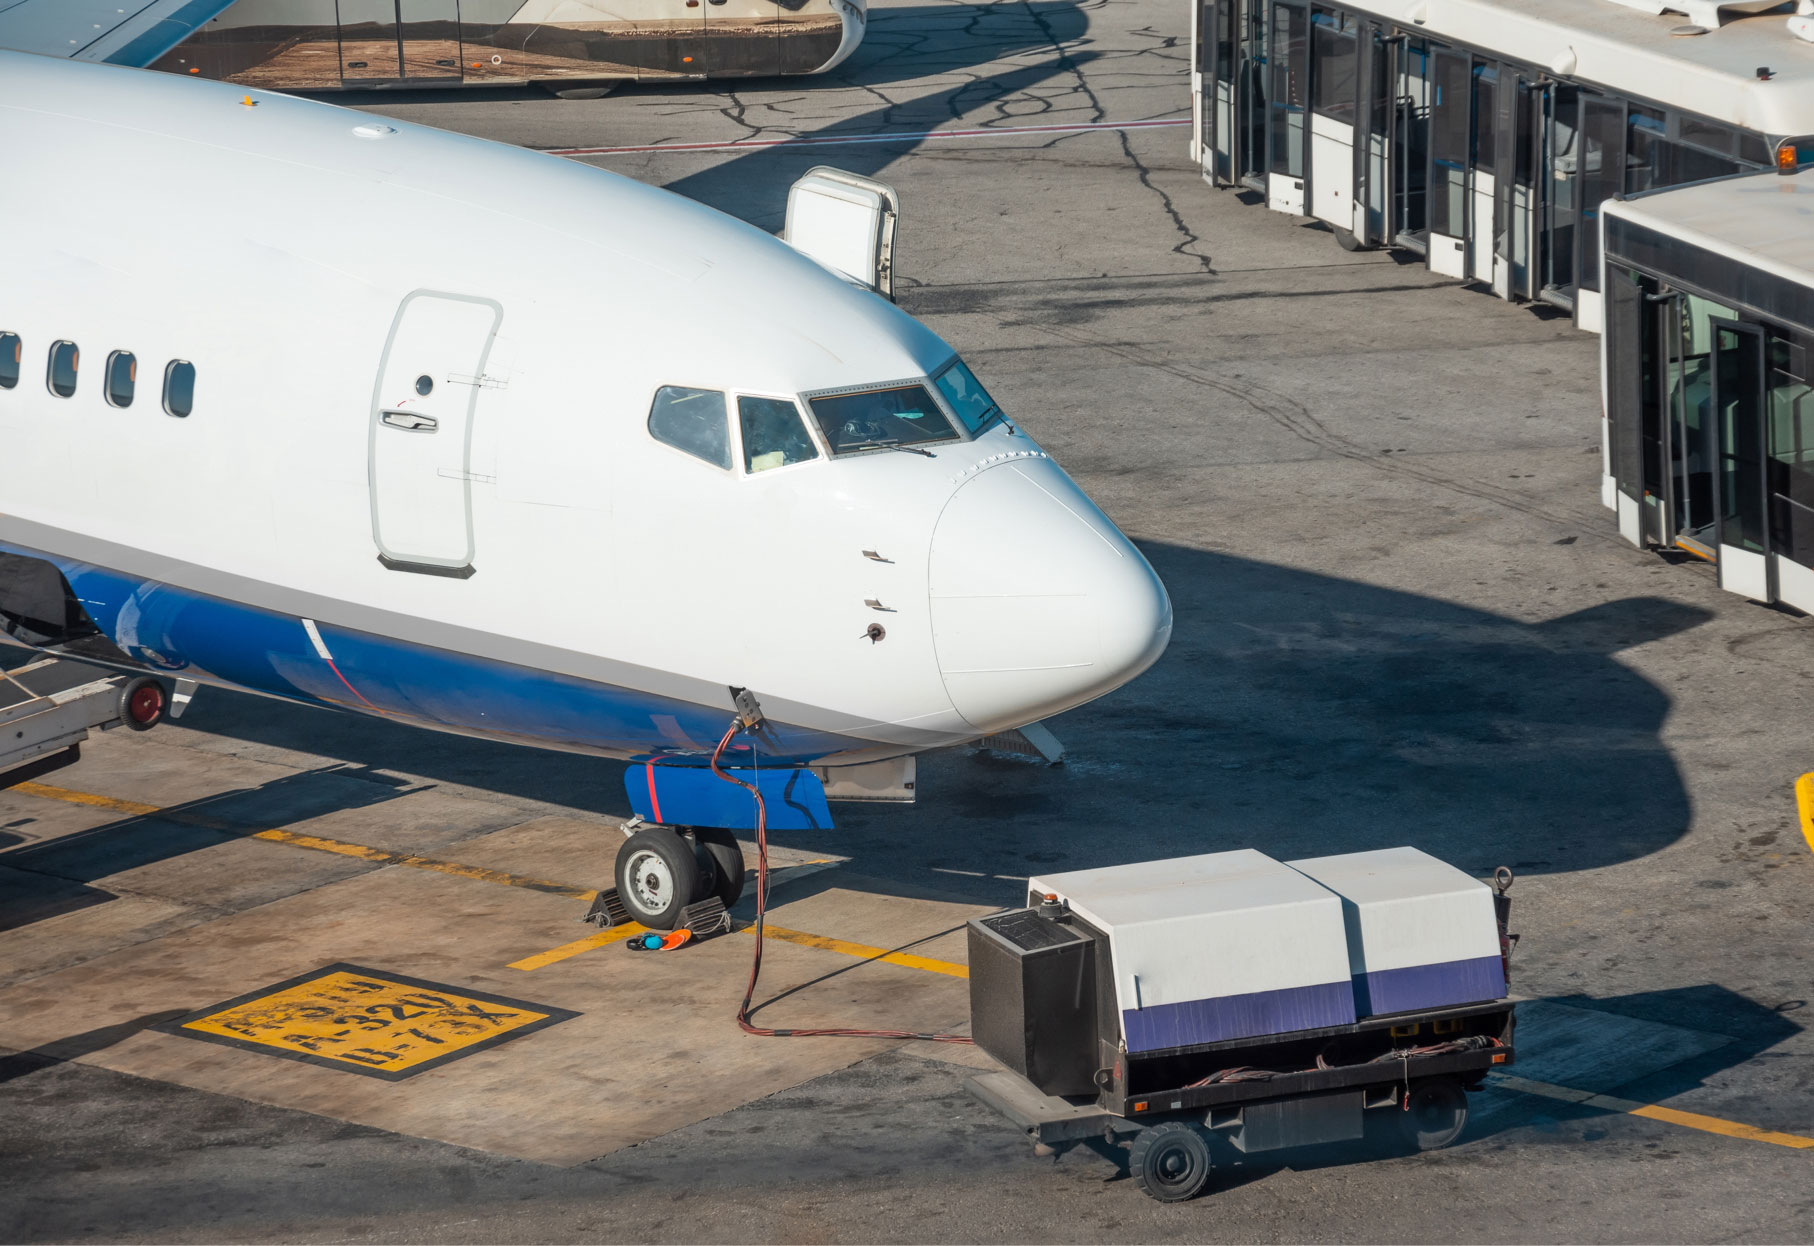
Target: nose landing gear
662 870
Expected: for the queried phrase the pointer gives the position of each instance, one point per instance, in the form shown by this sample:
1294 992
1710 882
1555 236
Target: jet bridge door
1450 153
1741 484
420 442
1216 75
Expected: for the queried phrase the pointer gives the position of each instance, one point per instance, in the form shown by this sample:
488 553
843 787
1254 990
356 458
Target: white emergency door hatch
421 431
846 223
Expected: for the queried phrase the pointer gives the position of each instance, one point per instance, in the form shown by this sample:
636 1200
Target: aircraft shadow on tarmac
44 880
1750 1029
1294 712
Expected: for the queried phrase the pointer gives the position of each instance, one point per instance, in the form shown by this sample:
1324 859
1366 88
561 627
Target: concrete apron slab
654 1045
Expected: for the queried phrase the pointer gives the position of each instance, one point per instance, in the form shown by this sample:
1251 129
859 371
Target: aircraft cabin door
421 431
1740 481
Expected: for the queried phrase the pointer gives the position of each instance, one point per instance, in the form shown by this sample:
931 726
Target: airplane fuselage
417 475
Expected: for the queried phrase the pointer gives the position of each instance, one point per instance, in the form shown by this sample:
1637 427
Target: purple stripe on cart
1237 1016
1429 986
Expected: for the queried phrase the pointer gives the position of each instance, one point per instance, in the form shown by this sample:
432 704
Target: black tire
143 703
657 876
727 862
1435 1114
1170 1161
1347 241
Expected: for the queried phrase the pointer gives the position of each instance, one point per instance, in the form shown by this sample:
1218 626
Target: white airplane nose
1038 602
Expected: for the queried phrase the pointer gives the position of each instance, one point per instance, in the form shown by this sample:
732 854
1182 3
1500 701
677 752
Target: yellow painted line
296 839
380 856
69 797
1655 1112
1804 801
603 938
863 951
1731 1129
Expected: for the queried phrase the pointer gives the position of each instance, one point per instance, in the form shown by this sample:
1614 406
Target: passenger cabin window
773 435
11 352
966 396
903 415
64 359
122 377
692 420
179 388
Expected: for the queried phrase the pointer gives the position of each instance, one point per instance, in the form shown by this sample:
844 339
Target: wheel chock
607 910
706 918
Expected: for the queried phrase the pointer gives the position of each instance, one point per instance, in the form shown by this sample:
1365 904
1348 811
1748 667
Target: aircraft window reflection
64 359
11 351
773 435
122 377
179 388
692 420
903 415
967 396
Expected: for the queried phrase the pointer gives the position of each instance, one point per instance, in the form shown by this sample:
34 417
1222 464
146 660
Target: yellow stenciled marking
1804 802
368 1022
1655 1112
296 839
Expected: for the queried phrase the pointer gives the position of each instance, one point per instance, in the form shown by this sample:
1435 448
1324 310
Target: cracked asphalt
1403 617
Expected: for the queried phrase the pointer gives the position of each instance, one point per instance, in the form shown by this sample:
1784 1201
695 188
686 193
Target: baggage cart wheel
1346 240
142 703
657 876
1435 1113
1170 1161
727 858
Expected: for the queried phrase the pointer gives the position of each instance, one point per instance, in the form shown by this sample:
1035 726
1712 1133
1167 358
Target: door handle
411 421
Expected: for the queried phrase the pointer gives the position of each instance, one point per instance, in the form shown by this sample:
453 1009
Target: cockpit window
967 396
693 420
773 435
903 415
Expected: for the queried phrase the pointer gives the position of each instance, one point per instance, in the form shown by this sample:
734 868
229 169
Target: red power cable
743 1009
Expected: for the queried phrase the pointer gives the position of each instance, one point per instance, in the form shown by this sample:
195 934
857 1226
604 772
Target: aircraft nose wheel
658 875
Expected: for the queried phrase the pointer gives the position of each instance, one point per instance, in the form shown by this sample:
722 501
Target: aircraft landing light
366 1021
